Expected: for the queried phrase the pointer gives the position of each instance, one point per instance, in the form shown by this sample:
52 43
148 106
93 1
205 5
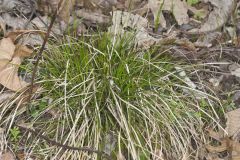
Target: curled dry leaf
10 59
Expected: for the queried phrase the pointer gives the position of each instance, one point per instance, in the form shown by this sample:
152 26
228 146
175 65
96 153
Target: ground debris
228 139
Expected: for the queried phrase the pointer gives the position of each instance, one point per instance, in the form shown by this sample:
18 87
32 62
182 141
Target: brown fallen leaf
66 9
122 20
186 44
120 156
2 25
104 6
233 125
93 17
25 96
207 40
16 34
41 23
15 22
222 9
228 142
10 59
7 156
177 7
6 96
22 51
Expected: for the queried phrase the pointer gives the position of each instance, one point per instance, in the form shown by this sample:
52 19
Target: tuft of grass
113 97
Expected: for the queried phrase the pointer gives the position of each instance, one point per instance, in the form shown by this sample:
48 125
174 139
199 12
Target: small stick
39 55
65 147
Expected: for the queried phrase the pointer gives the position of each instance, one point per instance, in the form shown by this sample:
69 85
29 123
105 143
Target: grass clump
114 98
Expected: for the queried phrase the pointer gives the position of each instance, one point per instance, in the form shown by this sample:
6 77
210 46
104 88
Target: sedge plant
114 97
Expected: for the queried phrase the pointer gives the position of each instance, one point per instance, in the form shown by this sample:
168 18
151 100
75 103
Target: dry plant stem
39 55
65 147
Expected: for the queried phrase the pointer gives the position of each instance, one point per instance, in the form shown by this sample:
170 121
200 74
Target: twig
65 147
39 55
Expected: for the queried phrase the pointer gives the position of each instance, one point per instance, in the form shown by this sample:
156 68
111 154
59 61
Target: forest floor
120 79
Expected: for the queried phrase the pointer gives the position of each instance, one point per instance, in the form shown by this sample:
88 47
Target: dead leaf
25 96
7 5
10 5
199 13
120 156
9 64
185 43
2 25
7 49
16 34
15 22
31 40
9 75
93 17
22 51
177 7
123 20
219 16
42 23
229 142
186 79
234 69
233 125
105 6
66 10
6 96
132 3
236 99
143 39
207 40
7 156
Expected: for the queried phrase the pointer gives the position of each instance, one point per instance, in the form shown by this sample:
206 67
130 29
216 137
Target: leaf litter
229 140
91 13
11 56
